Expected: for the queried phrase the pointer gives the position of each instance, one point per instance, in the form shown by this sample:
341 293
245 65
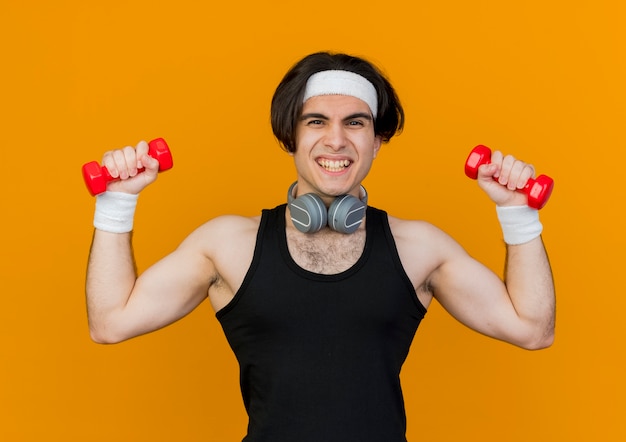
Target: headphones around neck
309 214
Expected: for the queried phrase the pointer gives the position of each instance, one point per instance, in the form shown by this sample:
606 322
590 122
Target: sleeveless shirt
320 355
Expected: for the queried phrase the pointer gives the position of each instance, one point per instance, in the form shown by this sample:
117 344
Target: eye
314 122
355 123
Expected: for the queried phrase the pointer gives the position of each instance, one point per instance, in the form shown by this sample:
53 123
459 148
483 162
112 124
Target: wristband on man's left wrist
520 224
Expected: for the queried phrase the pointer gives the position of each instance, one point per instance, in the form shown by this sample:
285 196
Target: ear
378 142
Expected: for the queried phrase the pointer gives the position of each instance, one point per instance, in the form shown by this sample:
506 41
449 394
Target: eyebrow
363 115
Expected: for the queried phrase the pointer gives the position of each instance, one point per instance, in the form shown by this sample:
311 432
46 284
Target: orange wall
543 80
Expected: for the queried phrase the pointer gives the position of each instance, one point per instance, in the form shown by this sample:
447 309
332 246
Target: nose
335 137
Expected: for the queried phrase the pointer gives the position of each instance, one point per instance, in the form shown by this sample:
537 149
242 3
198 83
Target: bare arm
518 308
121 305
529 281
111 275
527 275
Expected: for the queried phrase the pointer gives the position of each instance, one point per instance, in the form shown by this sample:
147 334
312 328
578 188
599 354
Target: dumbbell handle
96 176
538 189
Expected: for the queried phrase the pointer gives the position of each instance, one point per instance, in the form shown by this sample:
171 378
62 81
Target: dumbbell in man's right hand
97 176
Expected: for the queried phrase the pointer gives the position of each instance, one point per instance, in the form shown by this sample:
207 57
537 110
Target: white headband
342 83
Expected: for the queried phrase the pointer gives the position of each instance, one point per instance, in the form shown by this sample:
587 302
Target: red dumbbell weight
538 190
97 176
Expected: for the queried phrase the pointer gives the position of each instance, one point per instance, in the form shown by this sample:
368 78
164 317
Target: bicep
475 296
167 291
471 292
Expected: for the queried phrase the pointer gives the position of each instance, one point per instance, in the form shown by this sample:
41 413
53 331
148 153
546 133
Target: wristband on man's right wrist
520 224
115 212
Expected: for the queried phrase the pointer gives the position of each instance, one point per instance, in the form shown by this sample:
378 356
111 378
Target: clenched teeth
334 165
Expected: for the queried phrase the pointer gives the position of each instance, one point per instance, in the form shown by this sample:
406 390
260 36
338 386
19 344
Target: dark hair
287 100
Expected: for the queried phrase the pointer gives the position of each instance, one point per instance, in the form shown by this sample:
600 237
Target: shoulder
227 242
222 230
417 231
230 223
422 246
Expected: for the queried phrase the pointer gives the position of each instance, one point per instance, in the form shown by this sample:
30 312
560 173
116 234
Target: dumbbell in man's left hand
502 178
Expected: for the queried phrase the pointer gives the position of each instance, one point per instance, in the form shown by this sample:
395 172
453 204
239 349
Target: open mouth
334 165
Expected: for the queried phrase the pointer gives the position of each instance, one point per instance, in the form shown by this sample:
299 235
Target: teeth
334 165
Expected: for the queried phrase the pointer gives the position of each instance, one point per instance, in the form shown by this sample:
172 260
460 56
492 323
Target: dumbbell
538 190
97 176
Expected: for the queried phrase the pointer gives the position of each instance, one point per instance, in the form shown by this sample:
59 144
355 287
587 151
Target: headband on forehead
342 83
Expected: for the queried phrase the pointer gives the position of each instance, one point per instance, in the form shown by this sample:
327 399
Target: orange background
543 80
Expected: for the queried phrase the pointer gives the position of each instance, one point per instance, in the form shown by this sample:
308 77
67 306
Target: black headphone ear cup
308 213
346 214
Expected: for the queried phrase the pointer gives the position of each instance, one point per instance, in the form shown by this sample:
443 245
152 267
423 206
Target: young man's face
335 145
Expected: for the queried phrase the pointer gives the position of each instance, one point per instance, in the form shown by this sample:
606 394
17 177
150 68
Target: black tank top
320 355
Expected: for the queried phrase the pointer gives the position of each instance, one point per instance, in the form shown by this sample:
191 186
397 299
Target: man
320 298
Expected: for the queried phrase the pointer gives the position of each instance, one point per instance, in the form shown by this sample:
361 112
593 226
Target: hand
502 177
126 163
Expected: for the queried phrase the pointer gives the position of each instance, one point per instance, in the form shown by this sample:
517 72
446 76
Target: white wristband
115 212
520 224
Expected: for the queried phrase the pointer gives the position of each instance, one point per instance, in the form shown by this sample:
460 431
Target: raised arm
121 305
520 307
527 275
